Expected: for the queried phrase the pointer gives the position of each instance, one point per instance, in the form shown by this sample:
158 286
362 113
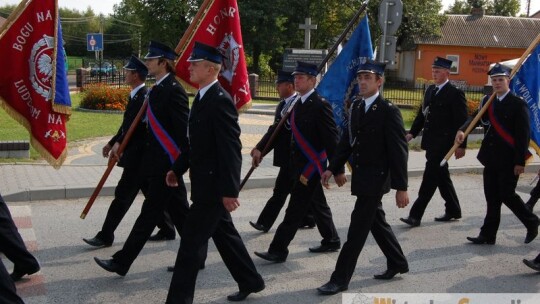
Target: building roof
485 31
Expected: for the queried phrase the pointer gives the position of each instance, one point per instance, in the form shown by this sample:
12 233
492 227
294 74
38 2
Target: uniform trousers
435 177
124 195
12 244
159 198
210 219
500 188
299 204
282 189
368 215
8 292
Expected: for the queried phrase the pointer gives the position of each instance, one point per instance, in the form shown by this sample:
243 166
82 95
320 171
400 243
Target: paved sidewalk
84 166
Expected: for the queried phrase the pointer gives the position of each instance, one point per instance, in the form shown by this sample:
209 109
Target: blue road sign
94 42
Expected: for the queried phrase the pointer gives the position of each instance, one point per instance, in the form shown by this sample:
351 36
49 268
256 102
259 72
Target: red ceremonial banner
218 24
29 84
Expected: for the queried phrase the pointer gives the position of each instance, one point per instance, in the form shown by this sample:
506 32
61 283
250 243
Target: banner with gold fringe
35 90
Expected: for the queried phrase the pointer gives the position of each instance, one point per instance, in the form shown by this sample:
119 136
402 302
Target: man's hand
231 203
402 198
340 179
171 179
114 151
255 157
460 152
518 170
105 151
408 137
460 137
325 177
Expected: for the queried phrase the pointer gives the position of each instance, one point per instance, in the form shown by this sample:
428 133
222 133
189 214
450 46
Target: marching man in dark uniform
281 146
443 111
503 153
13 247
315 136
214 163
376 141
166 146
128 186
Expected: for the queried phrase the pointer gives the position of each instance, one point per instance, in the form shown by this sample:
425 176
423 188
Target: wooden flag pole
112 162
484 108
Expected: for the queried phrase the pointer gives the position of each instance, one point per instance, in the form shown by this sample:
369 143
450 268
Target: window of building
455 63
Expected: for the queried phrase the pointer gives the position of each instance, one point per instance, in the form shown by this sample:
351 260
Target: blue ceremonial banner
62 100
339 83
526 83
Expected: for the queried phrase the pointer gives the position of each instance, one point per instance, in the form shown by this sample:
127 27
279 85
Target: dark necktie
362 107
196 100
434 93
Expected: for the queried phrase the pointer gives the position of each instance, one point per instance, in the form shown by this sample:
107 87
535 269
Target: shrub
100 96
472 105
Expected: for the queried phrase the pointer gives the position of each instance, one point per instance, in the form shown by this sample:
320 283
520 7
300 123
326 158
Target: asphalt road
440 258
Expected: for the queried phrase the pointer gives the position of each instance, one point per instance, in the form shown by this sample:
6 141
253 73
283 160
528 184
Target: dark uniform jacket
131 157
315 121
513 115
170 106
446 113
282 141
379 153
215 156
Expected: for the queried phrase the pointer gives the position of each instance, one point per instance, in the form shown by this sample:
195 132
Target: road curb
40 194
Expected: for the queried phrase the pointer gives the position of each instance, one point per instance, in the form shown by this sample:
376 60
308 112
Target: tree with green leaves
160 20
507 8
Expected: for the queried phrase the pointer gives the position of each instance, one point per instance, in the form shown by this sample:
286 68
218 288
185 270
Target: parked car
105 69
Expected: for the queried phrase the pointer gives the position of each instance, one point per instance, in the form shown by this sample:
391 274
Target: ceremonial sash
316 160
499 128
164 139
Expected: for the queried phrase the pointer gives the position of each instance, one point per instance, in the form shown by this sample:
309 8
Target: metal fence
401 93
264 88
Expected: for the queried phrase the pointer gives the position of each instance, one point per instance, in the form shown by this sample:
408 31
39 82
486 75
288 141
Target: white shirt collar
371 100
304 97
134 91
203 90
442 85
161 79
503 95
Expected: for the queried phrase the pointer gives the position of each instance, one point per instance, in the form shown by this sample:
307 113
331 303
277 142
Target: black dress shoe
331 288
447 218
531 234
17 273
97 242
532 264
390 273
243 294
410 221
479 240
270 257
111 266
325 248
258 226
161 237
